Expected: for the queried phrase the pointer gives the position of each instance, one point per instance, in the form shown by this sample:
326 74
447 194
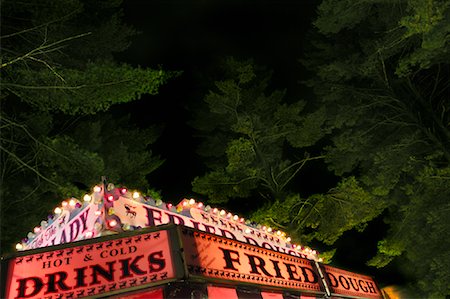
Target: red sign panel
348 283
217 257
92 269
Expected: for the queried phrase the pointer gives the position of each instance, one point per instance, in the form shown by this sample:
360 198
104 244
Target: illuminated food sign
92 269
110 209
216 257
71 225
347 283
135 213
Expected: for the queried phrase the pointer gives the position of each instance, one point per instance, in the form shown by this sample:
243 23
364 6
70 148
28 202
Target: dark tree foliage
58 80
256 142
245 129
381 71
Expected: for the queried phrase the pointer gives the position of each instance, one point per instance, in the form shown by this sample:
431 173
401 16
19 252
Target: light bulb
136 195
87 198
288 239
58 210
192 201
72 203
112 223
97 189
19 246
222 212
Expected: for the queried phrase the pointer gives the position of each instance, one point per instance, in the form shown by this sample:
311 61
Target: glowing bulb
37 229
229 215
19 246
215 210
242 220
112 223
136 195
97 189
123 190
58 210
72 203
278 233
264 228
320 260
314 252
200 205
110 198
87 198
235 217
222 212
247 230
192 201
169 206
64 203
288 239
185 203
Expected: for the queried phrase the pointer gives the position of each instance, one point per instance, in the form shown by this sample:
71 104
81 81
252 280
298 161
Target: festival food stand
119 244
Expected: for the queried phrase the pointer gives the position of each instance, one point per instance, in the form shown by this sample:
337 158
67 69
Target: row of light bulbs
192 203
187 203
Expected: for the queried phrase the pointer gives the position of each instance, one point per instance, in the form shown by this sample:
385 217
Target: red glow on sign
351 284
92 269
216 257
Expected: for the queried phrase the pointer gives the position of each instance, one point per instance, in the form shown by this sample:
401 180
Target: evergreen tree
381 71
58 80
256 142
253 139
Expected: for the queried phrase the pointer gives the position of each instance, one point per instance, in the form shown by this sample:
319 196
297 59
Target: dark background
194 36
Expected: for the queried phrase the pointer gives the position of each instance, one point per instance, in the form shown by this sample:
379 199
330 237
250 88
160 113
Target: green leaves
245 129
379 74
58 83
87 91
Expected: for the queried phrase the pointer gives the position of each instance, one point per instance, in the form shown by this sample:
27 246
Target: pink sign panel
347 283
92 269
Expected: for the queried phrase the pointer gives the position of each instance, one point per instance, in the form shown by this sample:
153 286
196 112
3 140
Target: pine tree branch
41 25
60 87
20 162
42 49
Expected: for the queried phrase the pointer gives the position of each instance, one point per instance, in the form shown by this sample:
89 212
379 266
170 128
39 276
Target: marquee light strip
108 222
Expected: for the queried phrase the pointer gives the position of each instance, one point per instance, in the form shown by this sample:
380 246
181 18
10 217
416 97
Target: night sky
193 36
